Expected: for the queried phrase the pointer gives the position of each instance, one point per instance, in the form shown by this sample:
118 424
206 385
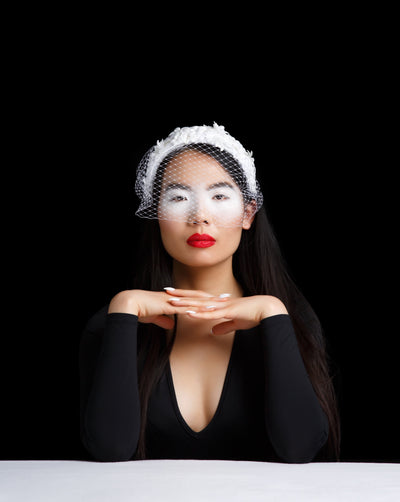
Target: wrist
124 302
270 306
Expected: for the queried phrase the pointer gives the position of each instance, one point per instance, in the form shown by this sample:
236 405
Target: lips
201 241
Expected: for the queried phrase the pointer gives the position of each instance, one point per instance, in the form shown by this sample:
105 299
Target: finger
214 314
178 309
192 293
223 328
203 305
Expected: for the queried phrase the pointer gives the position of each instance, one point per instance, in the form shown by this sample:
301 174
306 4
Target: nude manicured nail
174 299
190 312
211 307
224 295
169 289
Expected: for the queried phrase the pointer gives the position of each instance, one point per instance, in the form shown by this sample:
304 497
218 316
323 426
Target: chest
199 372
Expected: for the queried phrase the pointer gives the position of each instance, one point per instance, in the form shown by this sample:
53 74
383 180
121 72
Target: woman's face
201 210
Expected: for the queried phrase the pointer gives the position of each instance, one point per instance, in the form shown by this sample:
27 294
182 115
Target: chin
195 257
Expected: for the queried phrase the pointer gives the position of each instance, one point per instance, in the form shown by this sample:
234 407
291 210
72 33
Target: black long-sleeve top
268 410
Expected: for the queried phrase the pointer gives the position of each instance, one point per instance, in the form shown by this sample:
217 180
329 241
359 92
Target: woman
215 354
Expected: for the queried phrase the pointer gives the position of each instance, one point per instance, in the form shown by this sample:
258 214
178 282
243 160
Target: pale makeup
195 186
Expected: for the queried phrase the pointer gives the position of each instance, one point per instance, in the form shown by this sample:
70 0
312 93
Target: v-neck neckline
174 399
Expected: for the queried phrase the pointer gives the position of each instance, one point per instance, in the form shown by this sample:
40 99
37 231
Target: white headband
214 135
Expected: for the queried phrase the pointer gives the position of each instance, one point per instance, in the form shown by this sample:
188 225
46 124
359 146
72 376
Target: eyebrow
221 184
177 185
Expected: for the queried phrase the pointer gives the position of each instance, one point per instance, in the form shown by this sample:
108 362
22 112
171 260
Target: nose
199 214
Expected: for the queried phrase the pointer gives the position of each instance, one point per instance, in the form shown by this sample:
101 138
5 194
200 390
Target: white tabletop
197 480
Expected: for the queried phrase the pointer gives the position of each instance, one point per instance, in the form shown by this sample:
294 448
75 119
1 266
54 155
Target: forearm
295 420
111 417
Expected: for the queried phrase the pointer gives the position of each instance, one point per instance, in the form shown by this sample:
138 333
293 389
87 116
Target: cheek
228 214
167 230
173 211
233 238
170 232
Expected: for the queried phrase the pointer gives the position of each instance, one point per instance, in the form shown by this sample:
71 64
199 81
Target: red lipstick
201 241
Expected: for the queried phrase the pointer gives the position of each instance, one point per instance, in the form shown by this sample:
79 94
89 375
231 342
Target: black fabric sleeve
295 421
110 409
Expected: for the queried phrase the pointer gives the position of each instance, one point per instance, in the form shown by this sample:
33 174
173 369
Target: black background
82 114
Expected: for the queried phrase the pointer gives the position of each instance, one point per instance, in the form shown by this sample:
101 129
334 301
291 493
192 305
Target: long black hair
260 269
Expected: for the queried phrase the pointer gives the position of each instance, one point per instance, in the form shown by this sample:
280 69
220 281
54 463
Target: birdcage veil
198 172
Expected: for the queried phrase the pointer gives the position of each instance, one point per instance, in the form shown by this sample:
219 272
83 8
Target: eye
178 198
220 196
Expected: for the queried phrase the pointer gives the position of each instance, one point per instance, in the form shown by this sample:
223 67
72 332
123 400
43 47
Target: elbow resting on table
109 451
303 452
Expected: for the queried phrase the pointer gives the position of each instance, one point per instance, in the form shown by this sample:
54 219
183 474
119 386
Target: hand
150 306
234 313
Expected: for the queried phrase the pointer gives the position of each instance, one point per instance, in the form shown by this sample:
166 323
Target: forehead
191 167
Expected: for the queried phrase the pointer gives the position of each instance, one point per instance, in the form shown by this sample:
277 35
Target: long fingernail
190 312
211 307
169 289
174 299
224 295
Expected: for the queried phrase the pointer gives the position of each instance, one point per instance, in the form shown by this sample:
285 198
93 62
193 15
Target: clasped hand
233 313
